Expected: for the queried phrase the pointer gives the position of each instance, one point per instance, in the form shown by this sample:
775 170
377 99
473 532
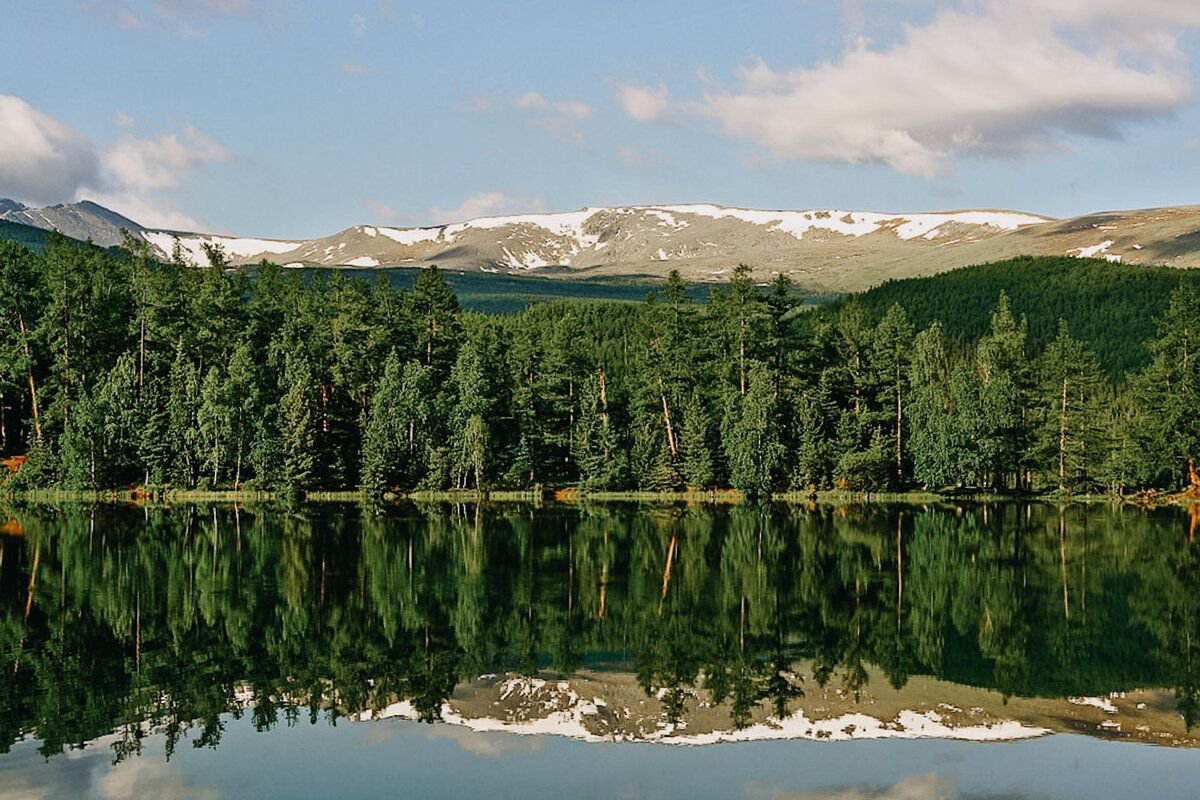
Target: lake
868 651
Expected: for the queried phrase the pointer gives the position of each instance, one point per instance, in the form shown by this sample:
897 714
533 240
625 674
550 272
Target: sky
295 118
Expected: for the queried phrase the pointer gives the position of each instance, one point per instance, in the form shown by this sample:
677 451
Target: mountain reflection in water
116 621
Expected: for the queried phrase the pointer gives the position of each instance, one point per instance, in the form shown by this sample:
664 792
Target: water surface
159 648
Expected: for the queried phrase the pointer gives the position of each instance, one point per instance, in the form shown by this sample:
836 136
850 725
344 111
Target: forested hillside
1112 307
33 238
119 371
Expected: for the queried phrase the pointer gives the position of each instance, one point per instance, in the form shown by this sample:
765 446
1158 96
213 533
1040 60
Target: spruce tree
298 426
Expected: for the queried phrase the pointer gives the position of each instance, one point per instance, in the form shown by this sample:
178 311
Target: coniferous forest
120 371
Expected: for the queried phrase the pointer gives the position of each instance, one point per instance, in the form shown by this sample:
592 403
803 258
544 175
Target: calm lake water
213 651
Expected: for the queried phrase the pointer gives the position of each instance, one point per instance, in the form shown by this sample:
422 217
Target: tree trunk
899 427
670 431
37 422
1062 441
742 362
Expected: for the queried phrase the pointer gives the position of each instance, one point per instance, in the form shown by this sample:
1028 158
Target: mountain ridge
821 249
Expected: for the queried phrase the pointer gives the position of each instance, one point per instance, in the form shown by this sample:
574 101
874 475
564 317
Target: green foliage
1110 307
115 618
117 370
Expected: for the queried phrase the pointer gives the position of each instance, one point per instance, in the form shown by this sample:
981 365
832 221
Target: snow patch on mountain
568 225
1097 251
411 236
234 247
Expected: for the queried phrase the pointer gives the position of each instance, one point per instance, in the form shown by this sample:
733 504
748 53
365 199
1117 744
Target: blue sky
287 118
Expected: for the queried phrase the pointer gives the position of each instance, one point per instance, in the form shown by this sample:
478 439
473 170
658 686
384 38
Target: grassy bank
572 496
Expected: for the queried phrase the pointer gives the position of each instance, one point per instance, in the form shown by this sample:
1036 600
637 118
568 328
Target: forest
119 371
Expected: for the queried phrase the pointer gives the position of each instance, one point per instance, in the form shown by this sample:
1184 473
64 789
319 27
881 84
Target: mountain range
822 250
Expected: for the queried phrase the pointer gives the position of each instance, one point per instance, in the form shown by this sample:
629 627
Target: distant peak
7 205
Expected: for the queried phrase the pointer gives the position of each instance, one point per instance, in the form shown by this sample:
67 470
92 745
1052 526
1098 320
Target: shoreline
572 496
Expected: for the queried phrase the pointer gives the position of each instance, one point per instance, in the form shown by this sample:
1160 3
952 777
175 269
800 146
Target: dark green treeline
112 617
117 371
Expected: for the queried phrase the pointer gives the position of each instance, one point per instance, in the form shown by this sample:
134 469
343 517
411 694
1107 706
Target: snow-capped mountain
820 249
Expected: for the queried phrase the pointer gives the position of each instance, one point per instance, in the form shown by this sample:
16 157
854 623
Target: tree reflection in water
130 620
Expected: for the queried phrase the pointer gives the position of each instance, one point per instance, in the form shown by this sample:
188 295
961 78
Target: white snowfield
797 223
408 236
569 722
239 247
530 241
1097 251
859 223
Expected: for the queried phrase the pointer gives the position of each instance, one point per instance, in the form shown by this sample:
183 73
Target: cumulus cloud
1000 79
559 118
173 15
486 204
162 162
480 204
42 160
171 7
146 778
644 103
381 212
148 210
487 744
921 787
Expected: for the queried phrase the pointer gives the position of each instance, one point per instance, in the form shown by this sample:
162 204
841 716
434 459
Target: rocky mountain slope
821 249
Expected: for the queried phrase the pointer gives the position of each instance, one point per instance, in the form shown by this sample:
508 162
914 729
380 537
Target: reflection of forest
133 620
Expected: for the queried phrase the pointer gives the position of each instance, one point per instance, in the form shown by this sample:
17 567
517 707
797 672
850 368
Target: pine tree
213 421
183 400
892 348
1005 378
394 439
595 448
298 426
752 441
1069 446
1169 392
696 464
932 411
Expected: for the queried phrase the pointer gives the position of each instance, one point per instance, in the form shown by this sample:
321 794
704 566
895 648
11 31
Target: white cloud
381 212
1003 79
560 118
171 7
161 163
172 15
923 787
358 24
531 100
123 120
481 204
356 69
152 211
485 204
644 103
145 778
42 160
487 744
